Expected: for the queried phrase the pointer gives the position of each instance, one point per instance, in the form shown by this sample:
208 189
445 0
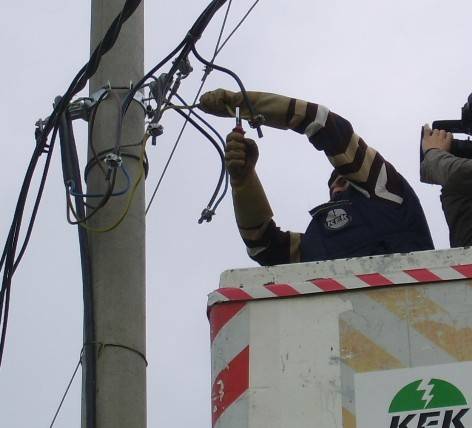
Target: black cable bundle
9 261
71 174
59 121
187 46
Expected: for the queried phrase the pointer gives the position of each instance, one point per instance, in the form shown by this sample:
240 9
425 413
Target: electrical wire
184 47
110 175
222 29
215 144
121 167
149 75
9 262
105 152
89 69
77 84
233 75
236 28
223 144
130 198
71 172
82 219
210 65
174 148
51 125
66 391
91 121
176 107
200 118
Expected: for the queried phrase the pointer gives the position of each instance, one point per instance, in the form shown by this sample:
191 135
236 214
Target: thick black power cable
71 172
223 144
8 258
182 129
132 92
218 148
12 240
9 263
210 65
184 47
78 83
89 69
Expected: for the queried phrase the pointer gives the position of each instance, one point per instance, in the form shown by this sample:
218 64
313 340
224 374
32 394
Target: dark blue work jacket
354 226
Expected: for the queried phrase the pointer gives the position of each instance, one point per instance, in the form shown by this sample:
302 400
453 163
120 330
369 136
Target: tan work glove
223 103
251 206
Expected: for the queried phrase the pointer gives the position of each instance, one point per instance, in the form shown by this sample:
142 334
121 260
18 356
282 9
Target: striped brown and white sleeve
268 245
362 165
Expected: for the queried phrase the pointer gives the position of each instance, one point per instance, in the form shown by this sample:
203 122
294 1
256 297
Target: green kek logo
428 403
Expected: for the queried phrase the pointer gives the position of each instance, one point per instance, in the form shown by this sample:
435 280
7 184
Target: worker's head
337 184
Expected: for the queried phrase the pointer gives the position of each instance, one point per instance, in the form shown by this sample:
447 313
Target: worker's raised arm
362 165
265 242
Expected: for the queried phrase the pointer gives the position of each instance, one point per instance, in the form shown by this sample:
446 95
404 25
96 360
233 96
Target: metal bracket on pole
81 108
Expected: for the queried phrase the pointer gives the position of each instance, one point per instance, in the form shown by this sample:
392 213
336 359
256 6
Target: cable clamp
39 128
154 130
113 160
184 68
81 108
258 121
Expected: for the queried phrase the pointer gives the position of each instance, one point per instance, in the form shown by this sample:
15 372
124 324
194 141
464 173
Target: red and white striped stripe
230 361
340 283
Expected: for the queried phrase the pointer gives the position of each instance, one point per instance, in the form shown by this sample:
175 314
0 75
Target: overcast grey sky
388 66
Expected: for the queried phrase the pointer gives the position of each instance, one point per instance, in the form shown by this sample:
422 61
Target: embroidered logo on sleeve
336 219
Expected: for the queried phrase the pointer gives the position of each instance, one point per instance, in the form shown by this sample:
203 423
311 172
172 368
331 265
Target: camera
460 148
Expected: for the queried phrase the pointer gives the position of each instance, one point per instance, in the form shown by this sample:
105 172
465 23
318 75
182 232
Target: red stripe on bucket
328 284
423 275
374 279
230 384
282 290
221 314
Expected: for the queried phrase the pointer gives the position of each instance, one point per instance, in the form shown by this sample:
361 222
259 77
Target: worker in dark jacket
372 208
454 174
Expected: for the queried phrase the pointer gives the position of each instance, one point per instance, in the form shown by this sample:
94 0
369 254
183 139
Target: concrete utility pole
118 256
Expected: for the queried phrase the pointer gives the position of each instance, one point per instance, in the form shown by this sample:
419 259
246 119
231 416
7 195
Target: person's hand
241 156
220 102
272 107
436 139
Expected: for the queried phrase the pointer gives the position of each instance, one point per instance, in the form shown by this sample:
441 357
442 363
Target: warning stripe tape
342 283
230 384
230 361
